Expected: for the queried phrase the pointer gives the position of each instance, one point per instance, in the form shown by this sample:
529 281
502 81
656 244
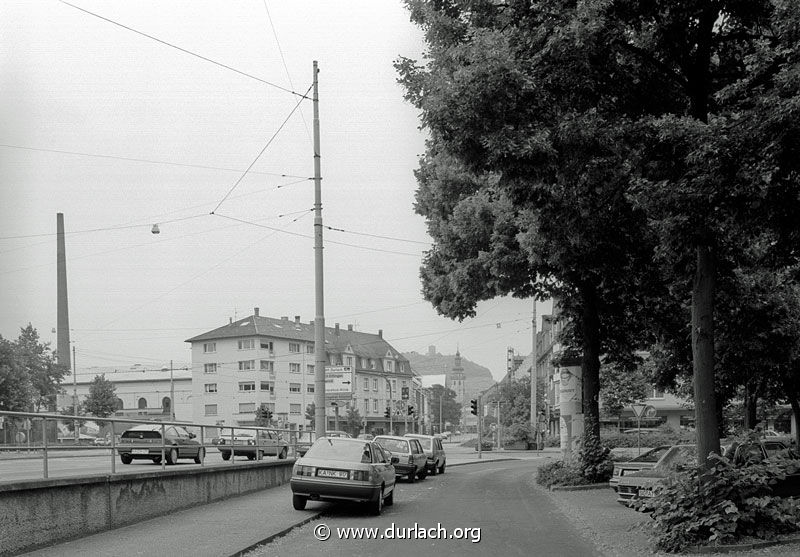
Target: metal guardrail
33 433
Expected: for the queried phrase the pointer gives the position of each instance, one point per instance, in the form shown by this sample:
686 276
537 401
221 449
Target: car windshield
331 449
652 455
679 457
393 445
426 443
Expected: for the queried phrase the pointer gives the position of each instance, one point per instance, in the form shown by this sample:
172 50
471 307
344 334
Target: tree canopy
102 399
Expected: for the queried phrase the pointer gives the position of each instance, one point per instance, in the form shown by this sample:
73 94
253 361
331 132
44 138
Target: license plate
340 474
140 451
646 493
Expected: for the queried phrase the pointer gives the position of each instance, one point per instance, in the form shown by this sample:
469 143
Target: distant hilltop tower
456 379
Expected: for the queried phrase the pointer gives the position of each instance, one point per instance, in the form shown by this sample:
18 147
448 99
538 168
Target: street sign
338 380
638 409
650 411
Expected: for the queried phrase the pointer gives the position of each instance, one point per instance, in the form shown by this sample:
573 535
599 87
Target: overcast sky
120 131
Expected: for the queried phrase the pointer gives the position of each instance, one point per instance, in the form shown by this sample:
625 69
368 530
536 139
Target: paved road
498 498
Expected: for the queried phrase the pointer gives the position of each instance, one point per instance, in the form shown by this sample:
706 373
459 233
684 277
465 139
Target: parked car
411 457
303 443
772 435
344 469
644 461
680 457
434 451
338 433
245 442
367 436
144 442
101 441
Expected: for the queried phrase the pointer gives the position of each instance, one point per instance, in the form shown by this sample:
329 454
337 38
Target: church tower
456 379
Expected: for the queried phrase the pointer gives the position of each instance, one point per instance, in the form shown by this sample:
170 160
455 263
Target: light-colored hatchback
434 450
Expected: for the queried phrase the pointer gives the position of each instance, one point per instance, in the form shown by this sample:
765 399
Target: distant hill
478 378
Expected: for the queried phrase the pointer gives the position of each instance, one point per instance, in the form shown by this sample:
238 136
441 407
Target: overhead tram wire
148 161
189 52
255 160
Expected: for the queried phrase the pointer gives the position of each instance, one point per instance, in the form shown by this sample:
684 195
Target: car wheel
389 501
282 453
201 454
434 470
377 506
299 502
251 457
422 474
156 460
226 456
441 468
126 458
172 456
412 477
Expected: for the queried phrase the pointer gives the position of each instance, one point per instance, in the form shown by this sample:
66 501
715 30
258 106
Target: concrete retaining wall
41 512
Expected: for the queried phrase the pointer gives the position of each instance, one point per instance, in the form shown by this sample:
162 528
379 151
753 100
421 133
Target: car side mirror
395 460
192 435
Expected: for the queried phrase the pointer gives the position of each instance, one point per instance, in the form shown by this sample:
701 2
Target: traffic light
410 410
387 413
474 404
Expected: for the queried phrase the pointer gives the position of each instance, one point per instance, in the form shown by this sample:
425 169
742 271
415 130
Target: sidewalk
224 528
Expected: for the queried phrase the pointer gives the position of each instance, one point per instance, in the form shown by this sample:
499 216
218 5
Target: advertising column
571 403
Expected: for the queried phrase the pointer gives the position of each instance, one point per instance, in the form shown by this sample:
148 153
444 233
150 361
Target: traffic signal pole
480 428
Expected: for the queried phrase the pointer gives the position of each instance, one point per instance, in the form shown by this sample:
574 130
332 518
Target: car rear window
142 434
394 445
330 449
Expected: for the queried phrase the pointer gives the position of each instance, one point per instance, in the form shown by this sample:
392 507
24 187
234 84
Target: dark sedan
145 442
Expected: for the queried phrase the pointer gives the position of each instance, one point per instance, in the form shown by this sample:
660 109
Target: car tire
226 456
422 474
376 507
389 501
156 460
126 458
434 470
172 456
412 477
201 454
299 502
282 453
441 468
251 457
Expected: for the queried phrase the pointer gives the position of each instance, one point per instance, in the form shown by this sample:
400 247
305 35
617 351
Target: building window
349 361
364 363
247 344
247 365
294 347
210 368
247 386
366 384
294 368
294 387
211 387
310 369
366 406
268 386
371 364
267 365
142 404
294 409
394 386
310 388
269 406
266 345
405 384
374 384
211 409
209 347
374 404
247 407
310 348
389 366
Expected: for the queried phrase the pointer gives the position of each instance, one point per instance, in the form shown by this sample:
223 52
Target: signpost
640 410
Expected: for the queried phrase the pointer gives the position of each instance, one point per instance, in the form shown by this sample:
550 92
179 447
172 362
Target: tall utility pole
534 382
171 394
75 396
320 358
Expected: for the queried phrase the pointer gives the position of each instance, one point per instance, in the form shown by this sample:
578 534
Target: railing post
44 446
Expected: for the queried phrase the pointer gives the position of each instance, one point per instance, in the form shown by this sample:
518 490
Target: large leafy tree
555 125
15 385
39 363
523 182
443 406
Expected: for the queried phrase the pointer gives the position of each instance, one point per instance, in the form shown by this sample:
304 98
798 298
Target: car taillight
359 475
304 470
410 459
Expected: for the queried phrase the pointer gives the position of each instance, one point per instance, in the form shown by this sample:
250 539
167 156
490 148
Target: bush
721 505
594 461
664 436
559 473
485 445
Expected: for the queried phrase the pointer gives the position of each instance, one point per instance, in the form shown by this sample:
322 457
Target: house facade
263 360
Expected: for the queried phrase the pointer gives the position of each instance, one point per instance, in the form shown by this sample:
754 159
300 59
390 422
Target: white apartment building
262 360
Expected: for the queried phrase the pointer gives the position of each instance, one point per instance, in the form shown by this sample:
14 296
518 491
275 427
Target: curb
280 534
704 549
579 487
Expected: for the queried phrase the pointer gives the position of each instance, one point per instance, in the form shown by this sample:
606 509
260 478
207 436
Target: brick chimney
337 330
380 333
349 327
255 312
296 319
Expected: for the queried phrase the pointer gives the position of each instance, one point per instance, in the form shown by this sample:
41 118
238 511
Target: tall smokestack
62 322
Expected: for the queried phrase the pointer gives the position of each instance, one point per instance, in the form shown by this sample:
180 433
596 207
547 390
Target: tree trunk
591 362
795 402
707 426
750 406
